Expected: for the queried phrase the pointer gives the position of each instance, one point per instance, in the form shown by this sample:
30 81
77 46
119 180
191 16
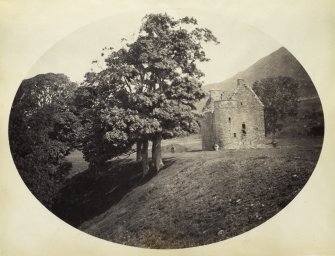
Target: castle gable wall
235 123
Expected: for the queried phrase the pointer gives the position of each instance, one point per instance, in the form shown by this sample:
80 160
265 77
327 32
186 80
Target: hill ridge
278 63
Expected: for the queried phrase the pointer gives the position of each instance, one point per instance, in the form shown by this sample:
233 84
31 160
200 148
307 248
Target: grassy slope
199 198
78 165
279 63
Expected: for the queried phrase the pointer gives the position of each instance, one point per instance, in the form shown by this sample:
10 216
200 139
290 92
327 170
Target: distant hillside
279 63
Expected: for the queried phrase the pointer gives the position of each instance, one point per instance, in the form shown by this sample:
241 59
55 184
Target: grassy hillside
198 198
278 63
282 63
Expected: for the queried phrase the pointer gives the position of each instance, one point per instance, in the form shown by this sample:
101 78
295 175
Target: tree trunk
139 151
157 162
145 160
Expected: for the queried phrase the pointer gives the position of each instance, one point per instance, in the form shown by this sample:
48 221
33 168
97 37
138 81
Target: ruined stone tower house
233 119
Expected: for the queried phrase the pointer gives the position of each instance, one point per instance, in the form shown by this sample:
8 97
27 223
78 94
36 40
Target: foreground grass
199 198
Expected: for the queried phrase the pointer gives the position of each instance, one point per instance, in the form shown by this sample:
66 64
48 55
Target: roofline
255 95
251 90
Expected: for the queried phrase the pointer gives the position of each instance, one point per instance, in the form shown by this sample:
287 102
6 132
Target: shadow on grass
91 193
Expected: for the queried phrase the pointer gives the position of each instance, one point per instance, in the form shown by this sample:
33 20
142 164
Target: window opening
244 130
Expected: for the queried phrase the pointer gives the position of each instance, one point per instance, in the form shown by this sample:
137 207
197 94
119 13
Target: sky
240 45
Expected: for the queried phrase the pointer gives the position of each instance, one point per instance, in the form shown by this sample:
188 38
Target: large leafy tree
280 98
148 89
105 123
42 131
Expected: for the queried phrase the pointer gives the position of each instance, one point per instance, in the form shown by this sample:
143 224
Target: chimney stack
240 82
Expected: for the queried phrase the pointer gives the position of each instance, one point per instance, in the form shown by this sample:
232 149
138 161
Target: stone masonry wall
240 121
207 131
234 123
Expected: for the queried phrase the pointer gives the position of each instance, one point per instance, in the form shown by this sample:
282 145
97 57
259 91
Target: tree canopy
42 131
147 90
280 98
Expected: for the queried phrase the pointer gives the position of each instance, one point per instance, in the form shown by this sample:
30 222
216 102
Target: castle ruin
233 119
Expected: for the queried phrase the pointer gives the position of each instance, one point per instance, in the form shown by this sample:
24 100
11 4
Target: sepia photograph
143 152
166 129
